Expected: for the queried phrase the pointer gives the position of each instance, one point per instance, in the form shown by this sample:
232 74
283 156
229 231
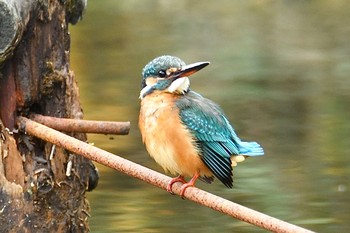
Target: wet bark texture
42 187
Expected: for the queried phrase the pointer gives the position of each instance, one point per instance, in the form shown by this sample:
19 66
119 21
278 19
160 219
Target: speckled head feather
160 63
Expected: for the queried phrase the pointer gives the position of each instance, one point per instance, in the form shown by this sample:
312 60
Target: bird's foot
180 178
183 189
188 184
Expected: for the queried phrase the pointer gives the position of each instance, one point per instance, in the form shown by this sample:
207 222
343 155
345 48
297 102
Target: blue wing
214 135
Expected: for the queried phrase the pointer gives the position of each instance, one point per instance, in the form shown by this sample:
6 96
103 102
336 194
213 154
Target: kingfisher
187 134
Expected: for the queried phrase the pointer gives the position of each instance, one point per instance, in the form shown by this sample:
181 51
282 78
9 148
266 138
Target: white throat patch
144 90
180 85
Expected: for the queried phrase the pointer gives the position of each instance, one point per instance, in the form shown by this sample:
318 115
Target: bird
187 134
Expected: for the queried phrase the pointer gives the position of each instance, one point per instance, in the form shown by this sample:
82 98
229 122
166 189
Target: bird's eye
162 73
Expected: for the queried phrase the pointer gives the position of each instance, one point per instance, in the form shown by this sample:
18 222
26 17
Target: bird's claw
184 185
183 189
169 188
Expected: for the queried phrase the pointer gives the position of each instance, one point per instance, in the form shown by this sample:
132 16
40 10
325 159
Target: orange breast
166 139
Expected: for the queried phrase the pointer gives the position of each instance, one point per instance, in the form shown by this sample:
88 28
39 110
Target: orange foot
185 184
188 184
179 178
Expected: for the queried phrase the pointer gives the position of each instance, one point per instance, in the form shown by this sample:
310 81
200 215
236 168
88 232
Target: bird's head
168 74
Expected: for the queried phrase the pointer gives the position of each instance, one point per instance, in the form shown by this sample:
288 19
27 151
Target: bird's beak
190 69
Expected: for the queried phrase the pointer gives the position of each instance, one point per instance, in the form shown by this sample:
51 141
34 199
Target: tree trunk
42 187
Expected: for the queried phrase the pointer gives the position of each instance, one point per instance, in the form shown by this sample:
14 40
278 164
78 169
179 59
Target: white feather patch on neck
180 85
144 90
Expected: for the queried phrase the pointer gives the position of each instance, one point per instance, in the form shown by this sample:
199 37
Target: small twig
157 179
83 126
52 152
69 165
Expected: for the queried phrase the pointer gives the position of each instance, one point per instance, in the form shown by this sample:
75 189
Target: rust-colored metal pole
83 126
157 179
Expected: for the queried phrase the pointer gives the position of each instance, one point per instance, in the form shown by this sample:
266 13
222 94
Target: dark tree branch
83 126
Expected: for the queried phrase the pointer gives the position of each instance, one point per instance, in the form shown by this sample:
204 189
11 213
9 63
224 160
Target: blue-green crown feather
160 63
214 135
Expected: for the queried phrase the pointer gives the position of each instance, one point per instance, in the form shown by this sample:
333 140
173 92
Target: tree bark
13 18
42 187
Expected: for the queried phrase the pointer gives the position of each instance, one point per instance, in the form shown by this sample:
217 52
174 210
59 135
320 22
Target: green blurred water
279 69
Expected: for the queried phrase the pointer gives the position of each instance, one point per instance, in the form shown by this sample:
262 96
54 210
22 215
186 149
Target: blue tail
250 148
